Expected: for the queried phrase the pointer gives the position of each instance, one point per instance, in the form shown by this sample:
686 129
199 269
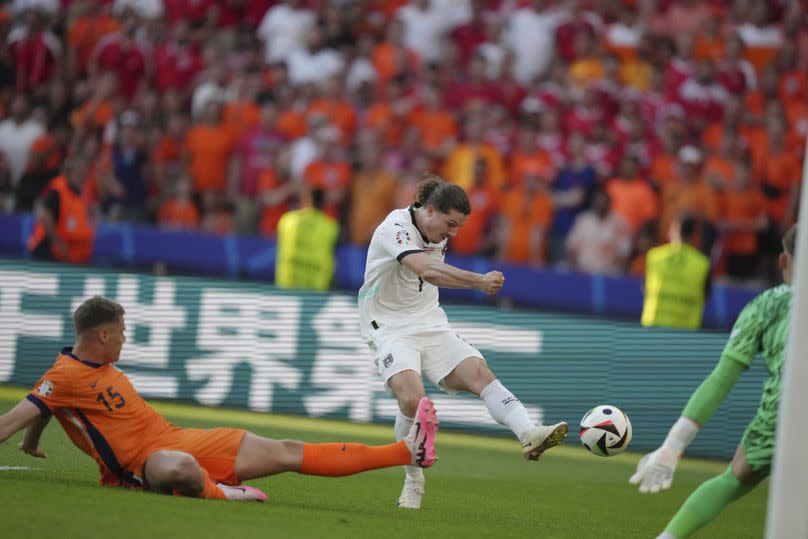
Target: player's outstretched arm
30 442
447 276
655 470
18 418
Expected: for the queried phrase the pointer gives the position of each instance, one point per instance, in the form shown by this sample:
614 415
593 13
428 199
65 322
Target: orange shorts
215 450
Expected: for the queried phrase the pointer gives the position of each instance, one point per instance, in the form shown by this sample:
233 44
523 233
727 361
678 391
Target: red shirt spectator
677 72
177 62
470 35
578 23
34 51
584 116
196 11
122 55
703 98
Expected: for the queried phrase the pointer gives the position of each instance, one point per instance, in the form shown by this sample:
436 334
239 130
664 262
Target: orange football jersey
102 414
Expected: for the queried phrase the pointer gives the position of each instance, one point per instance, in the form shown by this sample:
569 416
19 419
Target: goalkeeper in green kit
761 328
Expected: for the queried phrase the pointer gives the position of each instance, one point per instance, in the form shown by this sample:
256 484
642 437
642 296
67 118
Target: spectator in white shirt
145 9
17 134
530 35
48 7
313 63
599 241
426 25
284 28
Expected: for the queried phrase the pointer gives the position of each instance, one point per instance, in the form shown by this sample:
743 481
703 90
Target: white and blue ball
605 430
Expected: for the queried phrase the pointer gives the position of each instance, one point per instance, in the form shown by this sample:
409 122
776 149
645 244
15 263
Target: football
605 430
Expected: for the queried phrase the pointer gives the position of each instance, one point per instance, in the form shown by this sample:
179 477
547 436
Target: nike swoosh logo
92 386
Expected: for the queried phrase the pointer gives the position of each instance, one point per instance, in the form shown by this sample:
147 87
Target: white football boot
411 494
542 438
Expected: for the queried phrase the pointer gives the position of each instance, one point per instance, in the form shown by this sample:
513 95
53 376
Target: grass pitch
481 487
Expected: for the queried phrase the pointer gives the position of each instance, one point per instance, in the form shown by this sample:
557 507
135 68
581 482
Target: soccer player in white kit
408 333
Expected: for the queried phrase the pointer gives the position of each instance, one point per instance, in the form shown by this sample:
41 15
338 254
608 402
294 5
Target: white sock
403 425
506 409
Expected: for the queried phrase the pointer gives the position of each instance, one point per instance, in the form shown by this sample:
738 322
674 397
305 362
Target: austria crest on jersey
605 430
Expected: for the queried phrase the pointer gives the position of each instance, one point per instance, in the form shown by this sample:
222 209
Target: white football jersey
393 296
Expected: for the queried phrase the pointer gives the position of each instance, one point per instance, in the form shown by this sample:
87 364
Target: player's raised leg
473 375
408 389
707 501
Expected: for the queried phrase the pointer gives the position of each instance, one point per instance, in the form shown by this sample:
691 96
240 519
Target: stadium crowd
580 129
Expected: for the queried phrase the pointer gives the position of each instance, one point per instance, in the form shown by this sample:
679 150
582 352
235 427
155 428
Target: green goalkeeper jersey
762 328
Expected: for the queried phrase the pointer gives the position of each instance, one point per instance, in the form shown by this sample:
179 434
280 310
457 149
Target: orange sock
211 490
336 460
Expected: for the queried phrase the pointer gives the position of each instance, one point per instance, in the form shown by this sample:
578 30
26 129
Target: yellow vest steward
675 280
305 257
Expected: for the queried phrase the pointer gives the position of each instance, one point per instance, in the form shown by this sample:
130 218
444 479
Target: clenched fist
492 282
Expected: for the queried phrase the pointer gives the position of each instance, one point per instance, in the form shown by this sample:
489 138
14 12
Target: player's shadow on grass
340 510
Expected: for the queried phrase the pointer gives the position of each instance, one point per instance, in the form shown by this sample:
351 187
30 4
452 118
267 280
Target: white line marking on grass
17 468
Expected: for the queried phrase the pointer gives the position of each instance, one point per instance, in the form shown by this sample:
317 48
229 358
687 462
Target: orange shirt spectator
380 118
636 73
760 57
93 115
460 164
525 220
372 194
662 169
631 195
209 146
239 116
719 171
538 163
586 71
167 150
633 200
273 196
391 61
339 113
178 214
741 209
291 124
712 135
688 196
436 129
781 177
470 239
47 153
84 34
709 47
333 176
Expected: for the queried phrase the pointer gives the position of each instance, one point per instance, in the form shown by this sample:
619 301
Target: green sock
706 503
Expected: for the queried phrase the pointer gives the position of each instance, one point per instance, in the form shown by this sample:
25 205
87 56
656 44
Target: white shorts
435 352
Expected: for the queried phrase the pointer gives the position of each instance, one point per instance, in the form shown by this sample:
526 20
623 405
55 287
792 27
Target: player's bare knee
185 473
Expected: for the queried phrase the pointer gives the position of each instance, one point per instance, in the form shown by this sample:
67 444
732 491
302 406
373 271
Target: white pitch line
15 468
